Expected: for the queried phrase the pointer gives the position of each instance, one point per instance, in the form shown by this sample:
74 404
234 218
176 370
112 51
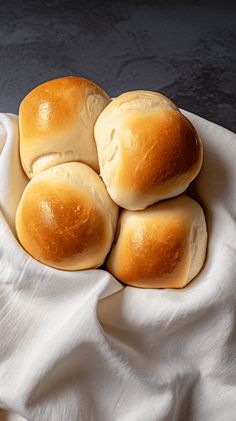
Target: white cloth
77 346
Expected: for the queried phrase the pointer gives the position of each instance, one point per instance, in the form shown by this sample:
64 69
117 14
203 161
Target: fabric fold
79 346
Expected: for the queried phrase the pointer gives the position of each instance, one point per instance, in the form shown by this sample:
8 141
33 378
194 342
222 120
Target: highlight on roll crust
66 218
56 122
163 246
148 151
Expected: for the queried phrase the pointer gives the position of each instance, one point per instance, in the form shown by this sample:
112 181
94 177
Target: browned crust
151 256
57 225
157 148
53 106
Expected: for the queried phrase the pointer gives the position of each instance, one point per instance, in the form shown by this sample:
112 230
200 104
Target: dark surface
185 49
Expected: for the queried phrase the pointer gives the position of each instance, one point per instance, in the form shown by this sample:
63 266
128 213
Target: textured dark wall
185 49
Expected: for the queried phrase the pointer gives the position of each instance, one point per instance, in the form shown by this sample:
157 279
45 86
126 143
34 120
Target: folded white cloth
77 346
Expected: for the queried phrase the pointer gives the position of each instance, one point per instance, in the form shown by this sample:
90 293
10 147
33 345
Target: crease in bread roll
66 219
56 122
163 246
148 151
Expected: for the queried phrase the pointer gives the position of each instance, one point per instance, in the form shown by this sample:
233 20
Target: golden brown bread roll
148 151
163 246
56 121
66 218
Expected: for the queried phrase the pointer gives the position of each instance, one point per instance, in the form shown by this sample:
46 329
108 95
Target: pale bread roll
163 246
56 121
66 218
148 151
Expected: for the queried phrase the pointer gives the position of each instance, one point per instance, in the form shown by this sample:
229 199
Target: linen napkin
78 346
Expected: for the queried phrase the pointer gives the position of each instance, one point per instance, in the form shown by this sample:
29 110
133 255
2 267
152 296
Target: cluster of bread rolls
88 158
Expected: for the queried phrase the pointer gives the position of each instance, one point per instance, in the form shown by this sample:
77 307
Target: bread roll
163 246
56 122
148 151
66 218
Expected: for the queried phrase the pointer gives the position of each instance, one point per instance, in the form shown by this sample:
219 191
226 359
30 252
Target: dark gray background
185 49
